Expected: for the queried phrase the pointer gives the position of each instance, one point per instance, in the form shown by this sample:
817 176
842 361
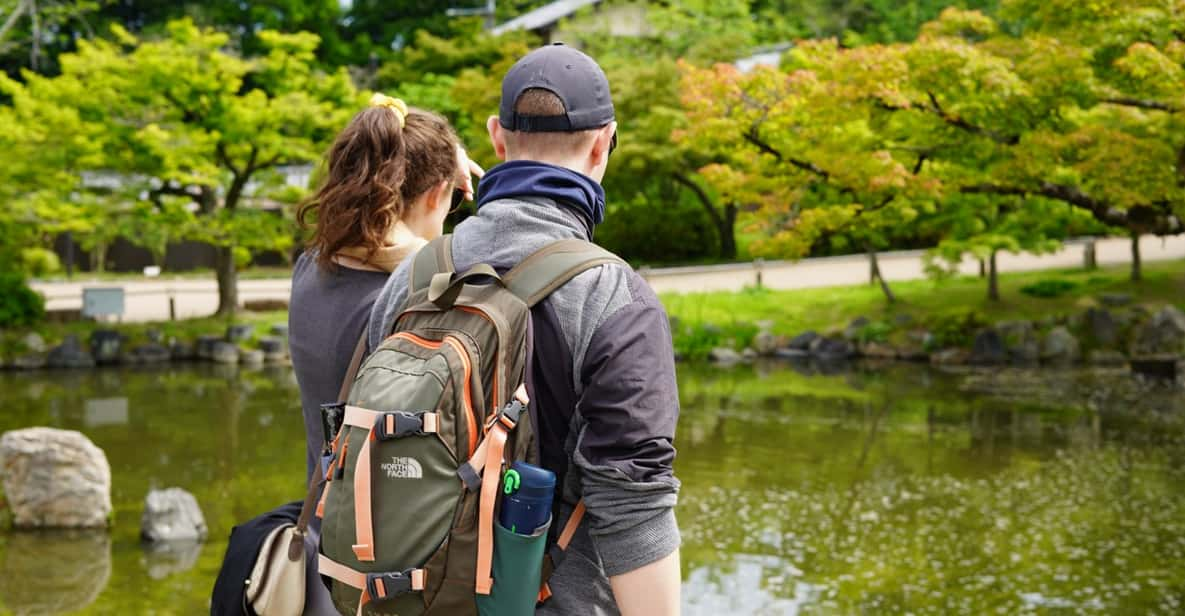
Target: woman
392 176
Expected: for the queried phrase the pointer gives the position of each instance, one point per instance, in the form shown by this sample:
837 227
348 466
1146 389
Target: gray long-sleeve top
604 389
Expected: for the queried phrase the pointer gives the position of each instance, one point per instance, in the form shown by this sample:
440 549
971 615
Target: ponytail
379 164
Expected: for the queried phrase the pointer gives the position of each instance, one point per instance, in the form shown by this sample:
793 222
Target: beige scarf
400 244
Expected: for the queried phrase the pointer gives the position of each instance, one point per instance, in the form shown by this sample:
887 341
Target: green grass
730 316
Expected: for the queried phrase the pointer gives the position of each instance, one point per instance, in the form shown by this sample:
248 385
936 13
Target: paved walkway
148 299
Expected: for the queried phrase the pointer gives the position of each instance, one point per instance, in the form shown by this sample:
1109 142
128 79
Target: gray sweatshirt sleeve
629 407
388 305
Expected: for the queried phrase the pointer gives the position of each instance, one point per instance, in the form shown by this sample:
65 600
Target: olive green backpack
432 417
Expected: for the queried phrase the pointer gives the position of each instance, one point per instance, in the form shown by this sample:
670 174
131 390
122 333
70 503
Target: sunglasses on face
613 143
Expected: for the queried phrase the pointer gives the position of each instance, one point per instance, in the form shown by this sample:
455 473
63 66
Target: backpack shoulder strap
550 267
433 259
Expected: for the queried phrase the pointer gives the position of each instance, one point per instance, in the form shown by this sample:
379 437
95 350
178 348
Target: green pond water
867 491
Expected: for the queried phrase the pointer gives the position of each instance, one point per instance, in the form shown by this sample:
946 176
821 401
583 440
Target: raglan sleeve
625 446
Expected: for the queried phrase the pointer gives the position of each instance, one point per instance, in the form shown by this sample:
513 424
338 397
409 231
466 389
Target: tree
812 161
182 117
1082 111
33 31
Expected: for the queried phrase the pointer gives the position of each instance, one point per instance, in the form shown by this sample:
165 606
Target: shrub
1049 288
39 262
876 331
956 330
20 306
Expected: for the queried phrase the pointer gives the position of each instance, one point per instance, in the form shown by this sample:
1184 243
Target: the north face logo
403 468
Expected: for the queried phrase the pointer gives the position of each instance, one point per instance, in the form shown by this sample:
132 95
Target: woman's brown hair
376 167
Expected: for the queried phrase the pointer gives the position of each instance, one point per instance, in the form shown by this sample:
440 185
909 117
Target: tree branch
224 159
1147 218
701 195
11 21
755 139
1142 103
967 126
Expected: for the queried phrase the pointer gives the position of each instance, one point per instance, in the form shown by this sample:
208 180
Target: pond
893 489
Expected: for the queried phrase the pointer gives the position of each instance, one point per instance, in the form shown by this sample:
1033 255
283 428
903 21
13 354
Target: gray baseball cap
569 74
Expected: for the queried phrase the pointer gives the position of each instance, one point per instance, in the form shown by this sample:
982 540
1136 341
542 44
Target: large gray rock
224 353
34 343
55 479
1115 300
106 346
950 357
832 349
878 350
53 572
151 353
1020 339
30 361
1106 357
172 515
1163 334
724 356
204 346
251 357
1060 347
765 343
988 349
239 332
181 351
1102 327
803 341
271 344
69 354
788 353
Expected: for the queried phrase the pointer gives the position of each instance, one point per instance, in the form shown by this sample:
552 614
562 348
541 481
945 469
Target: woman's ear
439 196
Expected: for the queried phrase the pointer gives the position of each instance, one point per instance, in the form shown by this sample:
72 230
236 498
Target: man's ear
497 136
599 155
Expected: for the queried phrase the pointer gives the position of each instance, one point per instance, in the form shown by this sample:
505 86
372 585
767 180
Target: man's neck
571 165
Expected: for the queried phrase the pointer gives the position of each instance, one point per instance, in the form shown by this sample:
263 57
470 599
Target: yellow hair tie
399 107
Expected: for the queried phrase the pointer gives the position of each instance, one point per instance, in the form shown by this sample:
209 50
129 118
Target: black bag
242 550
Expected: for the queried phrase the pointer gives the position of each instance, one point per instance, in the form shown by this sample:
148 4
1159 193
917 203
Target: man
603 365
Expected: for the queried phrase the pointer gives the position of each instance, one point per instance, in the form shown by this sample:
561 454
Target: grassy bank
952 309
135 333
706 320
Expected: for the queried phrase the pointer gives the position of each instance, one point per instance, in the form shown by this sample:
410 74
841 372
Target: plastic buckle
406 424
511 413
391 584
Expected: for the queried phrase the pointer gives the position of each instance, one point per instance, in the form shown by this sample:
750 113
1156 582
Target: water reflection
166 558
806 489
53 572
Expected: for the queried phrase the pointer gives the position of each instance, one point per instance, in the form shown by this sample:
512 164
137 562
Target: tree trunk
1137 265
727 226
875 268
228 281
99 258
1090 255
993 279
982 269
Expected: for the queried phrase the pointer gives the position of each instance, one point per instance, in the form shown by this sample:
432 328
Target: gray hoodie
605 391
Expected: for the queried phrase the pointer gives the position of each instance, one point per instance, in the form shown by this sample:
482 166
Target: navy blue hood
528 178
